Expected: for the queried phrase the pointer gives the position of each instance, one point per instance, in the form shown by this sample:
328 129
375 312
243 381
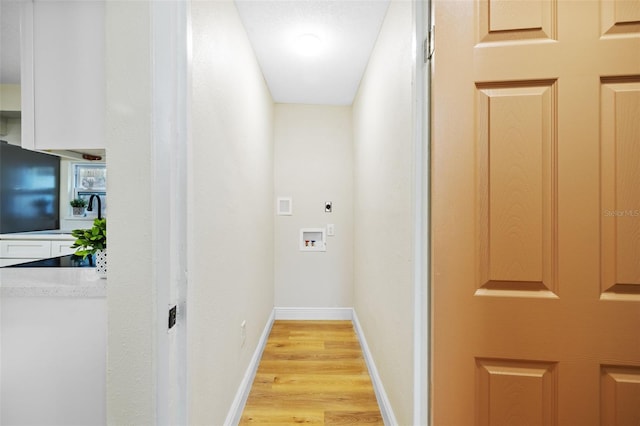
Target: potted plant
93 242
78 205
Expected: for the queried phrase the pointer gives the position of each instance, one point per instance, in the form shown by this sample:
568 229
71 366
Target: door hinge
429 45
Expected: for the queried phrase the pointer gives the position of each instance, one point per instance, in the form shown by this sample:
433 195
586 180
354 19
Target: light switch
331 230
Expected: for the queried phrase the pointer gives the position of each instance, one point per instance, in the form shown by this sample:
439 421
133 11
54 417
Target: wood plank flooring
312 372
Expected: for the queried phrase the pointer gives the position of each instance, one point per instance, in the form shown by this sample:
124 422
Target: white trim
421 213
388 416
27 95
237 406
313 313
168 49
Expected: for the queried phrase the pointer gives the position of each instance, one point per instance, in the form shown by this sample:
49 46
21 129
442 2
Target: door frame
423 26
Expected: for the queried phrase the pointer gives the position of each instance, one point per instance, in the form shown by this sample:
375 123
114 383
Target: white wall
231 269
231 217
131 293
146 144
13 130
314 164
383 207
10 96
10 101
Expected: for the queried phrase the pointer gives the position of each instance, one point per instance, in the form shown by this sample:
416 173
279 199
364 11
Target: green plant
88 241
78 202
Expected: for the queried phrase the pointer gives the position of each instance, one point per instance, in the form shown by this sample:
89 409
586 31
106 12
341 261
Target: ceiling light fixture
308 44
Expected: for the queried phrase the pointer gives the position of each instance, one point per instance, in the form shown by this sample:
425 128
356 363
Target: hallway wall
314 164
231 222
383 294
131 291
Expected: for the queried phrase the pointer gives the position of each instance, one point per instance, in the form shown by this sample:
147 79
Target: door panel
620 16
620 395
501 20
536 212
516 191
515 392
620 221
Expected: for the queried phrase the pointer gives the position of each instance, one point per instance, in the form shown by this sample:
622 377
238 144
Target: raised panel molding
517 194
515 392
620 180
620 395
620 17
508 20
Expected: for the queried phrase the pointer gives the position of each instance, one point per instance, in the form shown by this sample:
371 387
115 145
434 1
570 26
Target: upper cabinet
10 72
62 73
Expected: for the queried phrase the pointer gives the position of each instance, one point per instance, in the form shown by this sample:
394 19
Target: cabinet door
61 248
64 52
25 249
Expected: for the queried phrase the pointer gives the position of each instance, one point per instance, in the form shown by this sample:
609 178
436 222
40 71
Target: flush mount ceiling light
308 44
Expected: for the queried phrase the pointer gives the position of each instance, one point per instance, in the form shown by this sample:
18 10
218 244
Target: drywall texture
131 358
231 220
314 164
383 205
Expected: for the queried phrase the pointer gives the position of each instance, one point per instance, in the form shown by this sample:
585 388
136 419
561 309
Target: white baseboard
237 406
388 416
313 313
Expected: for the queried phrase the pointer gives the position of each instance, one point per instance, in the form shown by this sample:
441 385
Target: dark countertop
68 261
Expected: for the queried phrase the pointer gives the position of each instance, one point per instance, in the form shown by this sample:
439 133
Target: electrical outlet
243 332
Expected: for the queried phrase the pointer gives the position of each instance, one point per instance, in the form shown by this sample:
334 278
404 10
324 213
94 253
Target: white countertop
55 235
51 282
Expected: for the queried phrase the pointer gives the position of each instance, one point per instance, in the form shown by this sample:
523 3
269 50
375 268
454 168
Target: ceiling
327 72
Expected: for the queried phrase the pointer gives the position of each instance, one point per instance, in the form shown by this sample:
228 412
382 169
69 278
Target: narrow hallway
312 372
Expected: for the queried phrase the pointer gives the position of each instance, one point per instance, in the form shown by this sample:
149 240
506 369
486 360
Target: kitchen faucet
90 207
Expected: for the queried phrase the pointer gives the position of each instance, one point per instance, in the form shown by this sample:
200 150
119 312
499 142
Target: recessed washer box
313 239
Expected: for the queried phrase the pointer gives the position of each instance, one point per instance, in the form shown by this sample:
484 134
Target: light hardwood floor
312 372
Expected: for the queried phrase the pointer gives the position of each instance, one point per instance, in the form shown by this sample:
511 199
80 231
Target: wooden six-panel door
536 213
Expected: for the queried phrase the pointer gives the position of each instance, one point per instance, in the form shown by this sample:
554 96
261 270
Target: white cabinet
53 359
63 76
61 248
26 250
